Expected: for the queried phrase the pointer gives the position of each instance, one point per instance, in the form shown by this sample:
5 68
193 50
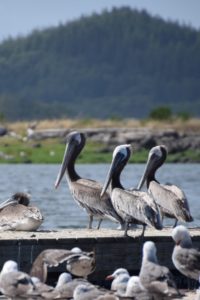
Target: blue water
59 208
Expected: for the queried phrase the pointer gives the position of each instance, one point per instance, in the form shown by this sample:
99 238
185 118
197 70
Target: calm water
58 207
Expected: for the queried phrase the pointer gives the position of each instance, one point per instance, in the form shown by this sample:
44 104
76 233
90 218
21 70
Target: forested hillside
121 63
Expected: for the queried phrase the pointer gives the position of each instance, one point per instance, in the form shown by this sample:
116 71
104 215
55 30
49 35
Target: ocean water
59 208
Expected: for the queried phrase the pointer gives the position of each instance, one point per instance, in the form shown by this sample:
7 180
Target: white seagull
185 258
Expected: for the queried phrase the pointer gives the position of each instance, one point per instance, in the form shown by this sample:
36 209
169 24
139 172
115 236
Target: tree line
120 63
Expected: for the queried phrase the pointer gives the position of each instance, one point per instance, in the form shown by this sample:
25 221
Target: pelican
16 214
86 192
185 258
170 198
132 206
155 278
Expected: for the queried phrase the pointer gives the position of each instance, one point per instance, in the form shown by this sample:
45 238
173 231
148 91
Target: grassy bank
18 150
51 151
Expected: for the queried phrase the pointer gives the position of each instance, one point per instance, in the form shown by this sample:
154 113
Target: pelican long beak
115 162
8 202
66 158
149 166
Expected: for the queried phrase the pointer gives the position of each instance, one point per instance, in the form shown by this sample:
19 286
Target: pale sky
20 17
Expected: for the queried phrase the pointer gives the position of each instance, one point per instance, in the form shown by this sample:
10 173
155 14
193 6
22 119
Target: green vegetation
161 113
184 115
121 63
51 151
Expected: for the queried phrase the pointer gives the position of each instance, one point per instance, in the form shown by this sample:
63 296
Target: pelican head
75 143
149 251
181 236
156 158
121 155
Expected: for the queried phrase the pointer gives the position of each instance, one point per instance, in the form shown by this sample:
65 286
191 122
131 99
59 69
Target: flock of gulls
126 207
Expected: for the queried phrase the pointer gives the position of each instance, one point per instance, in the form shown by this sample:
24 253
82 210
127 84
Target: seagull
170 198
44 290
14 283
78 262
81 265
185 258
66 285
86 192
120 279
132 206
91 292
157 279
17 215
136 290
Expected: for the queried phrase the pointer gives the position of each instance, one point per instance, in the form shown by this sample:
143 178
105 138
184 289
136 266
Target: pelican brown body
132 206
17 214
86 192
170 198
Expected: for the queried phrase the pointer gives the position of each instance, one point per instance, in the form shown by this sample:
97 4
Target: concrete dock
112 249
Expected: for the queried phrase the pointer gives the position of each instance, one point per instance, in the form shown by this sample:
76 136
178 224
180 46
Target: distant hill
121 63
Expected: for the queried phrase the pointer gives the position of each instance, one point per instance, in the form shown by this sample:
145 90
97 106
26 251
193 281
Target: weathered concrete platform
111 248
188 296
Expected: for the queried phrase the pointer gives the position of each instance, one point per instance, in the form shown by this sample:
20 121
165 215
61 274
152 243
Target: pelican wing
87 193
132 205
182 200
169 201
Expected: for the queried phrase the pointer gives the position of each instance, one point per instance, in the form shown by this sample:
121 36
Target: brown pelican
132 206
14 283
16 214
79 263
155 278
86 192
171 199
185 258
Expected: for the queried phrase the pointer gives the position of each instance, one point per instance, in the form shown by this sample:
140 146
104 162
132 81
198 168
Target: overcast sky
20 17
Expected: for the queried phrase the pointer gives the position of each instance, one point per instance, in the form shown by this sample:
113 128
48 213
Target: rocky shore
141 138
